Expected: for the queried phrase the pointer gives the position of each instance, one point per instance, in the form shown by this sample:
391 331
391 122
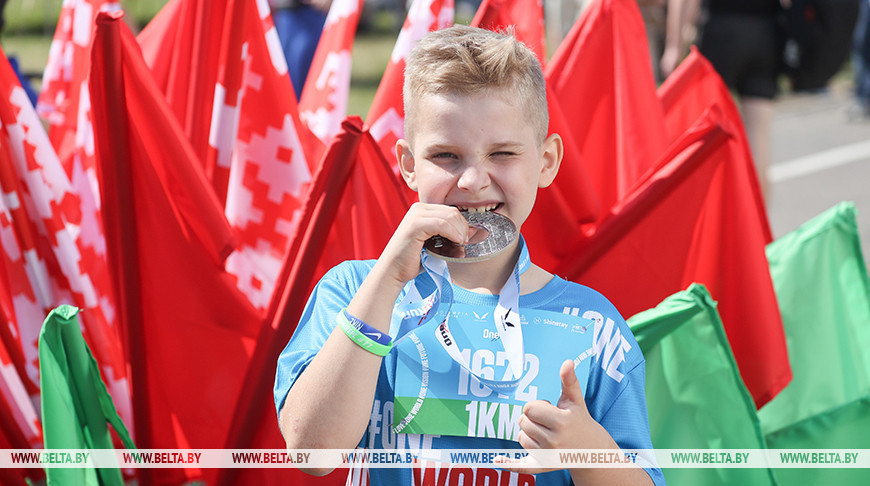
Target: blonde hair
467 60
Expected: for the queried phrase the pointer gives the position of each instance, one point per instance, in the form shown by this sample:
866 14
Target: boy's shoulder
579 300
349 271
354 266
576 297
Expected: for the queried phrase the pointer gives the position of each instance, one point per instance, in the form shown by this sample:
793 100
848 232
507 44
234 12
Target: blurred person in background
654 13
860 110
2 17
680 29
13 61
741 39
299 24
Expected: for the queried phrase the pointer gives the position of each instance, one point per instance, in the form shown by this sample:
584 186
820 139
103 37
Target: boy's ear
406 163
551 158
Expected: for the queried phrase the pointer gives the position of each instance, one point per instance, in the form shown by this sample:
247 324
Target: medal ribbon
506 316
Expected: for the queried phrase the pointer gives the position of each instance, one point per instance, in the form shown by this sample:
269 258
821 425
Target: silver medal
499 232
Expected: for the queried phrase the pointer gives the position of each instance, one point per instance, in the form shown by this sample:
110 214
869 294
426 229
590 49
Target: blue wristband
367 330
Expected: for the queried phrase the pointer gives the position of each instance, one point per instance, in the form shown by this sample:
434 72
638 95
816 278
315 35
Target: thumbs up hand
566 425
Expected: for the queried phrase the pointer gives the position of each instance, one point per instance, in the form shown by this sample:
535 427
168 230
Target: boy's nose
473 178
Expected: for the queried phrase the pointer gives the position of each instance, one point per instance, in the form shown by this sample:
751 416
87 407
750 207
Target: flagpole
116 183
197 128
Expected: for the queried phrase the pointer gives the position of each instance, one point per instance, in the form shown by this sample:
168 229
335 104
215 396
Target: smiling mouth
480 209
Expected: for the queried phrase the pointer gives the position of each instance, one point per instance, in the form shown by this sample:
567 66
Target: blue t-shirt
614 390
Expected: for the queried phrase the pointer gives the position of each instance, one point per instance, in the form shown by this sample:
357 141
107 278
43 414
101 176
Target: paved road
819 159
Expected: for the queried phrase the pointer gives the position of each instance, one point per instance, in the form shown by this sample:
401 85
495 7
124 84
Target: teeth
481 209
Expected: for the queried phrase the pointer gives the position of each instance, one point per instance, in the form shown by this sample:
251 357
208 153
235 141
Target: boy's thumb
571 391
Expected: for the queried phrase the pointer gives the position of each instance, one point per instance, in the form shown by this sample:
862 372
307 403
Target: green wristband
361 339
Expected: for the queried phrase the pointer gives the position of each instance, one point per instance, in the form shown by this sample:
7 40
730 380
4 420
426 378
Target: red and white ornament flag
386 118
323 104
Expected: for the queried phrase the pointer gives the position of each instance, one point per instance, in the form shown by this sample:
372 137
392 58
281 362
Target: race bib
436 395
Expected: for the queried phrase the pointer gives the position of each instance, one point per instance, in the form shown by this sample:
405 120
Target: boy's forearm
329 405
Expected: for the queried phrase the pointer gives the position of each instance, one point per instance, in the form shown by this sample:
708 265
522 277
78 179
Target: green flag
76 407
821 283
695 397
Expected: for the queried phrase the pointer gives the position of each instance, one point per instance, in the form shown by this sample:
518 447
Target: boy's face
477 152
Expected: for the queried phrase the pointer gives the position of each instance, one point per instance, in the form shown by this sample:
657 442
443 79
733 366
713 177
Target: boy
476 140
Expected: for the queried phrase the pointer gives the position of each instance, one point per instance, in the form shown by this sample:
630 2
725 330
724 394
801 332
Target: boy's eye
444 156
504 153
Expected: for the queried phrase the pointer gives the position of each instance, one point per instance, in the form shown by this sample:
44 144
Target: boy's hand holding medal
447 233
421 222
490 234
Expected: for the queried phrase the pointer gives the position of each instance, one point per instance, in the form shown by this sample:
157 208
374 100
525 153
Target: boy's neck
488 276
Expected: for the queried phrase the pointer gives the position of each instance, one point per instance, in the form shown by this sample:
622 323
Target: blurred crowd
753 44
757 45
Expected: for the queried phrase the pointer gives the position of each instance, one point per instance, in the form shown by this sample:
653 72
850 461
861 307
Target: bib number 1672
486 363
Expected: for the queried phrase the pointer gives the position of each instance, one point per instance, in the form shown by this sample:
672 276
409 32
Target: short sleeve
627 419
334 291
